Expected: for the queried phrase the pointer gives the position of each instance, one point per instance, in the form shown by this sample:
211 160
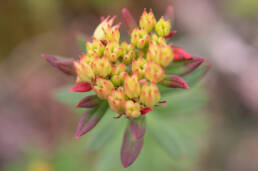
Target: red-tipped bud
180 54
147 21
174 81
103 88
132 86
132 109
140 38
154 72
163 27
150 95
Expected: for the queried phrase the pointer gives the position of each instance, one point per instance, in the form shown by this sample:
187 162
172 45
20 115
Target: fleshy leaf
89 102
63 64
129 20
144 111
184 67
81 87
81 39
180 54
131 148
90 119
137 127
174 81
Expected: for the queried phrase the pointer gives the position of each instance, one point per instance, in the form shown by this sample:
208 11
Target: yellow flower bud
140 38
139 66
103 88
113 51
132 109
147 21
163 27
128 53
112 34
101 67
99 31
154 72
132 86
117 69
150 95
158 40
84 72
117 101
95 49
160 54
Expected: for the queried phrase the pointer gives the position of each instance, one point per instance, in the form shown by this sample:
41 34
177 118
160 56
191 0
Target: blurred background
36 129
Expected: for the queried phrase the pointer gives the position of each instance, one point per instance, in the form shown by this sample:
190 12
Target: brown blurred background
223 31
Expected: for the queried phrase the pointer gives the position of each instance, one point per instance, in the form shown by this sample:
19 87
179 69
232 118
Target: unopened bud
154 72
117 101
103 88
95 49
112 34
158 40
113 51
99 31
128 53
160 54
140 38
132 86
139 66
132 109
118 79
147 21
101 67
163 27
150 95
84 72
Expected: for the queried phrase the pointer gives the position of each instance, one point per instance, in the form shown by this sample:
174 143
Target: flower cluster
126 76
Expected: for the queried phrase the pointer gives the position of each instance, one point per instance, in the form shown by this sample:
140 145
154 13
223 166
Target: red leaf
81 87
63 64
192 64
180 54
90 119
174 81
129 20
89 102
144 111
131 148
171 34
137 127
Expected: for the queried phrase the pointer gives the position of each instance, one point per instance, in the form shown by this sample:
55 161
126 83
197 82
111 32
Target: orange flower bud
132 109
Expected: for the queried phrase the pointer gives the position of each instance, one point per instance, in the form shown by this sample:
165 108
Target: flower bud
132 86
154 72
95 49
158 40
99 31
150 95
101 67
84 72
160 54
163 27
139 66
112 34
117 101
103 88
140 38
118 80
86 59
128 53
132 109
147 21
113 51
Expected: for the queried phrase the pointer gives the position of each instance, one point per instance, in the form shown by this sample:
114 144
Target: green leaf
81 39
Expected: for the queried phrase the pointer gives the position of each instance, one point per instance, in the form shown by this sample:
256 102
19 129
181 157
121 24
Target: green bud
113 51
140 38
163 27
101 67
103 88
132 109
139 66
118 79
154 72
147 21
128 53
132 86
117 101
150 95
95 49
158 40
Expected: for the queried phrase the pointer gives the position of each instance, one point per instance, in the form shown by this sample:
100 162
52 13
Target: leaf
137 127
81 87
90 119
89 102
63 64
81 39
174 81
131 148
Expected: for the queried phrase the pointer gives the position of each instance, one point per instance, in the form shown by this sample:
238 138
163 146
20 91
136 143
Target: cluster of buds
126 76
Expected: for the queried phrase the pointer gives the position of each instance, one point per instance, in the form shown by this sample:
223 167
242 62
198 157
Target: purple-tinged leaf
131 148
184 67
174 81
90 119
137 127
171 34
89 102
129 20
63 64
144 111
81 87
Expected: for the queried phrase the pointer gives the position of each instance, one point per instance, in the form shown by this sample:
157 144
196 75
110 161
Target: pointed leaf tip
81 87
63 64
137 127
171 34
129 20
89 102
180 54
144 111
174 81
131 148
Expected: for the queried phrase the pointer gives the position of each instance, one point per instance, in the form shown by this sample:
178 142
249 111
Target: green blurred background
214 123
